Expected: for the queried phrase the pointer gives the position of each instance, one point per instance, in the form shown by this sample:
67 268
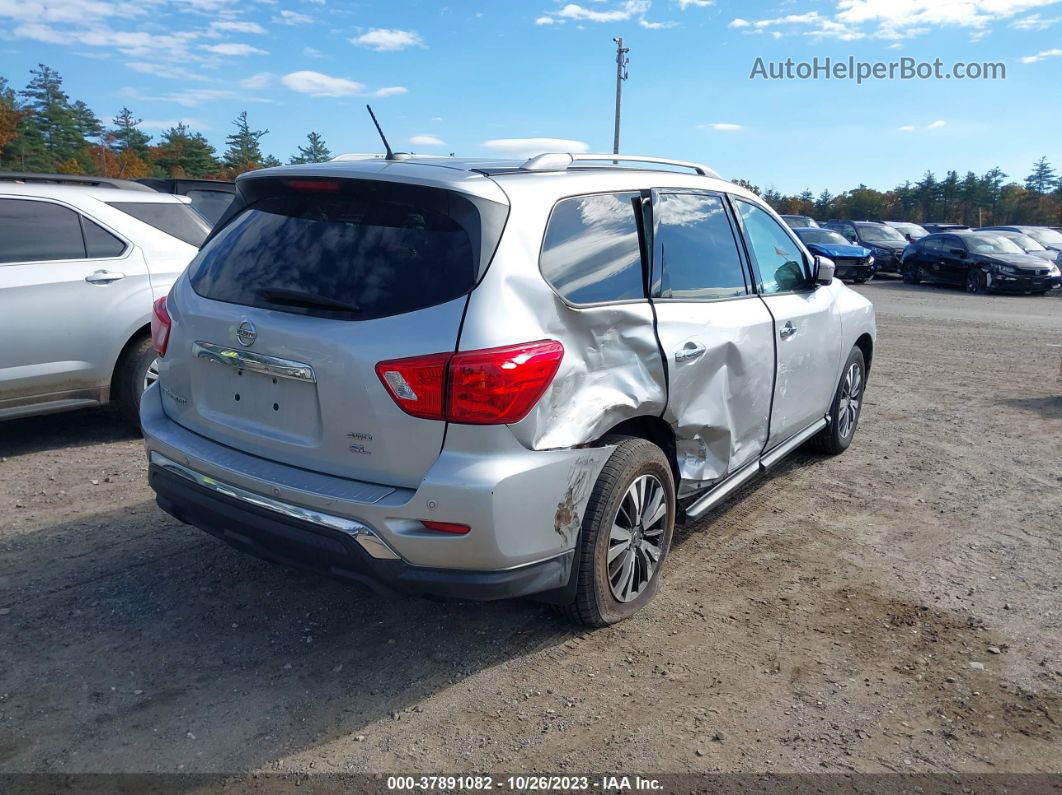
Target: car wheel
975 282
847 404
912 274
865 279
625 535
138 370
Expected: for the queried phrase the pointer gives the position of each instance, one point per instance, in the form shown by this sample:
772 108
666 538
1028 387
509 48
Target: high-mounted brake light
160 326
494 386
318 185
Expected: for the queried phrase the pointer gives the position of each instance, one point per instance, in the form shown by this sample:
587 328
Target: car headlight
869 260
1053 271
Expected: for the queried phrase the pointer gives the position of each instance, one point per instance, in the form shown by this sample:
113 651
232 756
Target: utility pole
621 74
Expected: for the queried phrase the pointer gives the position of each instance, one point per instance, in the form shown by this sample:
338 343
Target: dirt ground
894 609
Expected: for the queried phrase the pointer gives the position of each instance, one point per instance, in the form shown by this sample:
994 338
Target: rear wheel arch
137 336
652 429
866 344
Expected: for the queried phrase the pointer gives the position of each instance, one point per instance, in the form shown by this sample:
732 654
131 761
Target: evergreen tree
822 204
184 154
949 193
243 152
51 127
315 151
127 138
928 192
271 161
88 124
1042 179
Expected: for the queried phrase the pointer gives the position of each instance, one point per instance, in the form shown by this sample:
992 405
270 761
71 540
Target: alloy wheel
851 396
635 541
152 374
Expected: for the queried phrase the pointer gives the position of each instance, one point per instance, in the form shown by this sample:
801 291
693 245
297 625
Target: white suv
80 266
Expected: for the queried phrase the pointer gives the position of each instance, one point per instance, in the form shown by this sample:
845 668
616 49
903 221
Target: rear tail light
495 386
160 326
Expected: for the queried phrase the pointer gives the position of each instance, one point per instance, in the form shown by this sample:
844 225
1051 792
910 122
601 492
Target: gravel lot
897 608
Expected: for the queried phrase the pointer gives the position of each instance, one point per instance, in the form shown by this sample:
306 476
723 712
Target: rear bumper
267 534
524 508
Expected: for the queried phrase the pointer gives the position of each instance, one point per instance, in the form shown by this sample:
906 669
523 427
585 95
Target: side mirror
824 269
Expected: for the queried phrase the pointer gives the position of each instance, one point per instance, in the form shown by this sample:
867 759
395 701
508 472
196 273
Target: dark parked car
911 231
1044 235
1029 245
979 261
884 242
852 262
799 221
936 229
210 197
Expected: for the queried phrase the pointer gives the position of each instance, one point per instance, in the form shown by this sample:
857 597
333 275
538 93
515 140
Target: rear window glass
591 252
99 243
359 251
211 204
177 220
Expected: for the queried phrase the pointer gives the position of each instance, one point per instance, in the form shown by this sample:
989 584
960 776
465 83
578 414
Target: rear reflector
160 326
446 527
495 386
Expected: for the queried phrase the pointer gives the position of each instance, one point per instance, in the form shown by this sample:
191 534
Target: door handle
104 277
788 330
690 351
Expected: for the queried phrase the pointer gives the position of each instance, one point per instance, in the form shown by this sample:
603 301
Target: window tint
591 251
366 250
100 243
211 204
174 219
33 231
778 259
931 245
695 254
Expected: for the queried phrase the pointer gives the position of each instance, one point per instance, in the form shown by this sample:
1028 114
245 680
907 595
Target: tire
136 372
975 282
865 279
912 274
600 599
845 409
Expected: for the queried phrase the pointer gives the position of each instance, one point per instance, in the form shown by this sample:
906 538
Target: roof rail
562 161
73 179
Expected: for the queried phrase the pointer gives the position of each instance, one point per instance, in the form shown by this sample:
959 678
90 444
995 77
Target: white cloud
234 49
624 11
645 23
936 125
684 4
235 26
723 126
312 52
390 91
136 44
259 81
286 17
739 23
427 140
321 85
167 71
545 21
1053 53
526 147
1034 22
907 128
388 40
165 124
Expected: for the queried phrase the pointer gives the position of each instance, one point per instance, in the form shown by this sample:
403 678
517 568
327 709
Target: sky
511 77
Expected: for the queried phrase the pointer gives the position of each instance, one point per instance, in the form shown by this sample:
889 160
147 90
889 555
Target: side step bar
731 484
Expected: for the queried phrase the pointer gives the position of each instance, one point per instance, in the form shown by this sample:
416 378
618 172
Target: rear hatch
290 305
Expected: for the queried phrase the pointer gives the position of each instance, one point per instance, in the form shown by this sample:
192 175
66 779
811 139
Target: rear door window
591 252
175 219
99 243
695 253
354 250
38 231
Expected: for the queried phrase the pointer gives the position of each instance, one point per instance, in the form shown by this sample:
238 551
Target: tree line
977 200
41 130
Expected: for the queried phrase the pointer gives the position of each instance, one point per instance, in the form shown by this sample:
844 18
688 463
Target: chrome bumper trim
254 362
366 538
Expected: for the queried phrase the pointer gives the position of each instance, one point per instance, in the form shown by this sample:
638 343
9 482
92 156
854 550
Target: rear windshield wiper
277 295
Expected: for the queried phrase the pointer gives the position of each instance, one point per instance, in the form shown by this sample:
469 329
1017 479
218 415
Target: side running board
728 486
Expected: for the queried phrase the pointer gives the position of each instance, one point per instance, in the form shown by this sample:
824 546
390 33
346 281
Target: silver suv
488 379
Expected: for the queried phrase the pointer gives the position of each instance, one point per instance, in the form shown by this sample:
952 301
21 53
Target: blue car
853 262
